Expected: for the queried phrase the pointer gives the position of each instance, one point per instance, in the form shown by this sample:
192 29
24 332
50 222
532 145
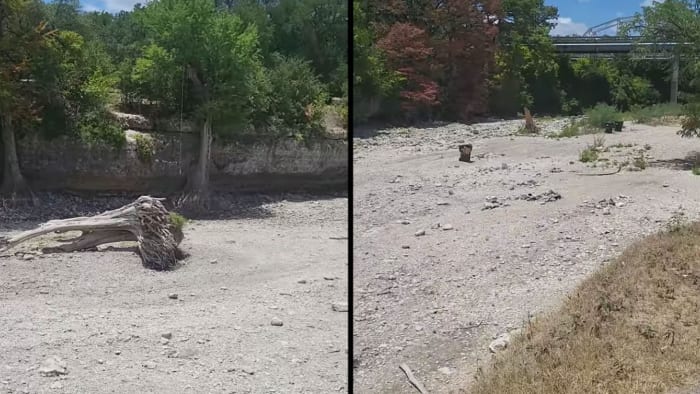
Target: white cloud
649 3
567 27
121 5
90 8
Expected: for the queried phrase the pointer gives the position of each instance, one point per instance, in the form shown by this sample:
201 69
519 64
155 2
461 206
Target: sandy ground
107 318
448 255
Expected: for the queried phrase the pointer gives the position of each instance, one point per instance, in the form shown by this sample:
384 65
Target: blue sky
109 5
576 16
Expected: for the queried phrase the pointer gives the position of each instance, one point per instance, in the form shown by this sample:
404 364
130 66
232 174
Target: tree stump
465 153
145 221
530 125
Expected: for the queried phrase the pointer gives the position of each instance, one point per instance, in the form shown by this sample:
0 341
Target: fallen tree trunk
145 221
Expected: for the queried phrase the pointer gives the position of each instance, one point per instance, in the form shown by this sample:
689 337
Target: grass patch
588 155
178 221
640 161
601 114
632 327
696 170
656 114
574 129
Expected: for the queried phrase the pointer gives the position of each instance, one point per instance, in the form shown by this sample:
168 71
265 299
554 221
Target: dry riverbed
450 255
260 306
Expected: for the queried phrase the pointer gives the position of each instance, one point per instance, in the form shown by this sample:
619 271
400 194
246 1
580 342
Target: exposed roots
145 221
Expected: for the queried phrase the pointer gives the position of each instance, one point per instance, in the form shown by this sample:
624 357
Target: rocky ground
449 256
259 307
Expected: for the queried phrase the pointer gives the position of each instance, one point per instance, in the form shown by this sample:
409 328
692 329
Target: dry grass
633 327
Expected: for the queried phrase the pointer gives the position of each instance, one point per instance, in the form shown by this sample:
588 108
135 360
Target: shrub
178 221
691 120
654 113
601 114
296 94
144 148
589 154
97 127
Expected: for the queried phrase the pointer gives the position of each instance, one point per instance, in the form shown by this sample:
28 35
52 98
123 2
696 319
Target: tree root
145 221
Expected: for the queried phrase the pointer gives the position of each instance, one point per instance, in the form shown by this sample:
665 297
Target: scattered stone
172 296
420 233
276 322
404 221
224 288
329 277
28 257
340 306
100 361
447 227
149 365
53 366
443 203
665 185
164 341
405 247
213 261
500 343
302 281
117 352
545 197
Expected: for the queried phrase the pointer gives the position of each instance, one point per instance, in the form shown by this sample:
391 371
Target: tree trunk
13 182
145 221
196 196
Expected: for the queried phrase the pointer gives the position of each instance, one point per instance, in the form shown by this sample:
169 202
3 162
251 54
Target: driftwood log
145 221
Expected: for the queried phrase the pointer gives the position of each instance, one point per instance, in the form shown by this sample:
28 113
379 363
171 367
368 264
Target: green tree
23 38
220 57
526 64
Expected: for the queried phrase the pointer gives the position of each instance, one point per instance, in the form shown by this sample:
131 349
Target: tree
526 71
23 36
220 58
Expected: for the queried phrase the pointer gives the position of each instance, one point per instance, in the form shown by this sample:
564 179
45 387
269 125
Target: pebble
276 322
172 296
420 233
213 261
405 247
167 335
447 227
500 343
302 281
28 257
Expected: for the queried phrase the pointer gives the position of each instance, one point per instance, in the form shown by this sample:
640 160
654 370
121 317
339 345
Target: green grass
696 170
178 221
588 155
653 114
601 114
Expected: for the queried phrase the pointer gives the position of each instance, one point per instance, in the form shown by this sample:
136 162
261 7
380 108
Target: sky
576 16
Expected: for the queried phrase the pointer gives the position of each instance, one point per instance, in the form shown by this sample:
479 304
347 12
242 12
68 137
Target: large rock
53 366
132 121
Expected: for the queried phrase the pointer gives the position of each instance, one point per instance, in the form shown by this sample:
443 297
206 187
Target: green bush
145 149
296 96
601 114
652 113
97 127
589 154
178 221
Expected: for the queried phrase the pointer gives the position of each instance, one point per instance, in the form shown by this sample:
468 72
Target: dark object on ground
618 125
145 221
619 168
608 127
465 153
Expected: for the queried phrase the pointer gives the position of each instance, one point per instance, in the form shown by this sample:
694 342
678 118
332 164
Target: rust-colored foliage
445 50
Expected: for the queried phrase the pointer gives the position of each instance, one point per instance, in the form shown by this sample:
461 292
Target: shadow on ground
20 216
686 163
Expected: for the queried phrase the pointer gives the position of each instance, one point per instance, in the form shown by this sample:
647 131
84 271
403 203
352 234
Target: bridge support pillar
674 78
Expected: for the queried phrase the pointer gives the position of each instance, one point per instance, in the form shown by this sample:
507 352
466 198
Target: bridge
593 44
